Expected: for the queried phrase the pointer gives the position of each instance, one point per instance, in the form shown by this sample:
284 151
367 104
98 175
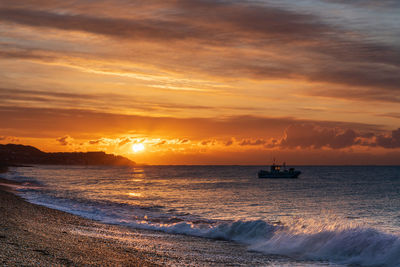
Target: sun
137 147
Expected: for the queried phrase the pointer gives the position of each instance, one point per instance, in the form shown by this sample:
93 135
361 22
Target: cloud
309 135
124 141
229 142
192 20
312 136
65 140
96 142
124 28
358 94
231 39
48 122
249 142
163 142
38 98
205 142
395 115
209 142
391 141
368 3
362 76
11 139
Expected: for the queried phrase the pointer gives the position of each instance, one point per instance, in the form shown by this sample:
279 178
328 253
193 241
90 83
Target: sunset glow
204 82
134 194
137 147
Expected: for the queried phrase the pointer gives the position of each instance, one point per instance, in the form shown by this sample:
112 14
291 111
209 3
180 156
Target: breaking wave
354 246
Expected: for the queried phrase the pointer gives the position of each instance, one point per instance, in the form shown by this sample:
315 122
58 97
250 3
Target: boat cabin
275 168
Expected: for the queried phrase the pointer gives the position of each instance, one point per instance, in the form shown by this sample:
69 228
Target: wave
352 246
330 242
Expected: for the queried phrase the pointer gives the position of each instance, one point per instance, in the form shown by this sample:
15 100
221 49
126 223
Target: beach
36 235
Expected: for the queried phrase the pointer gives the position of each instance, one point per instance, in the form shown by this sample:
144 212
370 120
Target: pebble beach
36 235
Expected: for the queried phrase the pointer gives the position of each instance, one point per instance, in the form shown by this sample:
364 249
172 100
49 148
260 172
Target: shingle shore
40 236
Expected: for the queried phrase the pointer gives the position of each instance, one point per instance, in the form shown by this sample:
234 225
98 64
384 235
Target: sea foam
358 246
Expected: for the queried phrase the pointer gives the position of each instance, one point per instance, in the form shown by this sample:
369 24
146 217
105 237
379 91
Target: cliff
12 154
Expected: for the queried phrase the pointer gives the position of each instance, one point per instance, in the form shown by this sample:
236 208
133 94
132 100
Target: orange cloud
285 38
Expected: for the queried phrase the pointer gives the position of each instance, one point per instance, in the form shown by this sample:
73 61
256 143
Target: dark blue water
343 215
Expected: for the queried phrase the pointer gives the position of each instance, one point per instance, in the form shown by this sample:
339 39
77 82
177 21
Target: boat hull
278 175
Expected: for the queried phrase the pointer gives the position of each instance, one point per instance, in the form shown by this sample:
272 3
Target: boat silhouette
279 171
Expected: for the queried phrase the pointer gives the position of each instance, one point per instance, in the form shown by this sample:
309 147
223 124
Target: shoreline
35 235
46 234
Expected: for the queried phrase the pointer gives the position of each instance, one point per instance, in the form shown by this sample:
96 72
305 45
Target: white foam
359 246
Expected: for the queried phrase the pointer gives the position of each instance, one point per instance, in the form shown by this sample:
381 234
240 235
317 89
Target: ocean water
336 215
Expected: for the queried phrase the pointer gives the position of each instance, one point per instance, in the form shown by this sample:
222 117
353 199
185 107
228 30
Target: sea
225 215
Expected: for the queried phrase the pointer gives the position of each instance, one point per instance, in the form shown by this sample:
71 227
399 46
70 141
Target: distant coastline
17 155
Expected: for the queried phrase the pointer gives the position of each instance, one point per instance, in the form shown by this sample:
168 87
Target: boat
279 171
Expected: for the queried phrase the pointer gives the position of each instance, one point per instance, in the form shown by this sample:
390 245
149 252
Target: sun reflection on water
135 194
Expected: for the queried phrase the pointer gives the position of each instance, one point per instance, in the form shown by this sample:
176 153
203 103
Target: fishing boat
279 171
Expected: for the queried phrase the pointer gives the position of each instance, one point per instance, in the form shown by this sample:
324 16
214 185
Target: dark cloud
205 142
264 21
309 135
359 94
337 56
22 54
312 136
133 29
229 142
362 76
368 3
391 141
14 96
65 140
395 115
209 20
249 142
96 142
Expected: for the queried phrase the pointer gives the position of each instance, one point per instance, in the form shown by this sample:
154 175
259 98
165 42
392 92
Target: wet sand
36 235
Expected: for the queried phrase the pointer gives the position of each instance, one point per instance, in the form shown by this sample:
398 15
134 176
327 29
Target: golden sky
204 81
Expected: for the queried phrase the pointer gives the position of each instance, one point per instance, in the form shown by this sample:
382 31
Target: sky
204 81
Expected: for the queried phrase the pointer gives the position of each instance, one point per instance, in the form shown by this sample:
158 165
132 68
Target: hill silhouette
13 154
